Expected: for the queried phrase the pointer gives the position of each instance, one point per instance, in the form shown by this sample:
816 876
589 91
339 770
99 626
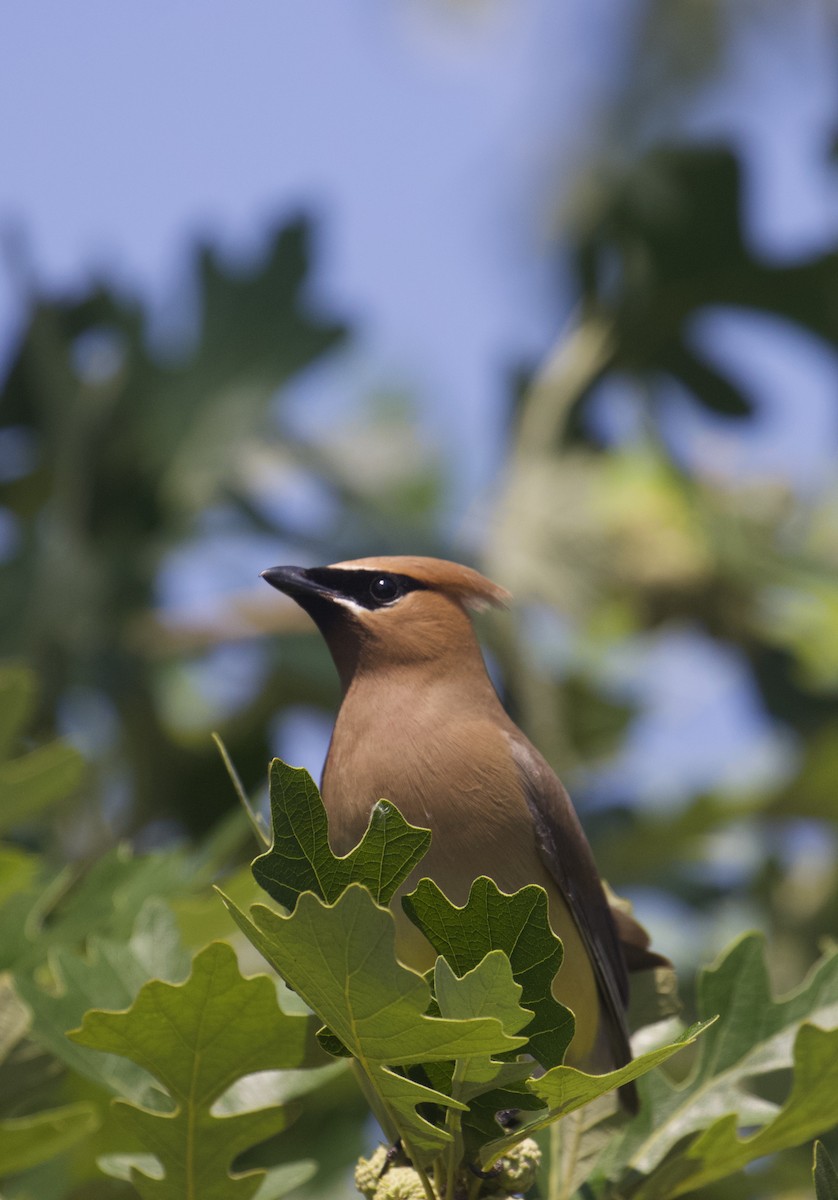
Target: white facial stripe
353 606
347 603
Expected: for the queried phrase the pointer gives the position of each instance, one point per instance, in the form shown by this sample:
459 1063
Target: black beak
293 581
286 579
297 582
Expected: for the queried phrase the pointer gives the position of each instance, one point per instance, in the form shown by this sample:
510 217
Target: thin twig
252 816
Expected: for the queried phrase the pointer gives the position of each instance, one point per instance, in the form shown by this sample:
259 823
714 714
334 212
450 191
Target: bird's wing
567 856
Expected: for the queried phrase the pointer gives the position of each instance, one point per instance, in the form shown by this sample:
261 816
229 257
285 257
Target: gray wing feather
567 856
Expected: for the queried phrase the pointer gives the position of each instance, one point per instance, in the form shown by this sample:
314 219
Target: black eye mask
370 589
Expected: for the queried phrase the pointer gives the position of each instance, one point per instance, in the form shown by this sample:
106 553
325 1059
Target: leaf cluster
179 1067
202 1065
440 1056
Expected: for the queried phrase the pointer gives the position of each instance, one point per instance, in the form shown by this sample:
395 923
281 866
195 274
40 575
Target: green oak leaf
510 1093
65 909
488 990
578 1140
197 1039
519 926
563 1090
755 1035
53 916
340 959
824 1175
279 1181
301 860
276 1181
33 1139
26 1141
128 879
811 1107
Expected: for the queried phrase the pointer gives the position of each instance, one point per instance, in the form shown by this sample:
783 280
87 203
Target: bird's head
391 612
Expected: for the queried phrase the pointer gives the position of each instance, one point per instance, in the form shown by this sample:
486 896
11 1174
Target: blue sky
437 143
423 142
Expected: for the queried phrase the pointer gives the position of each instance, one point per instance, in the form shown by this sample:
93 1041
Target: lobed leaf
301 860
682 1130
519 926
197 1039
276 1181
488 990
340 959
65 910
811 1107
563 1090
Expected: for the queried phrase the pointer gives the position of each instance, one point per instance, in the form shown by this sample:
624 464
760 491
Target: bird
421 724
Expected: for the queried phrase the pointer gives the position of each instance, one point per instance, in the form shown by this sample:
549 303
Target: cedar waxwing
420 724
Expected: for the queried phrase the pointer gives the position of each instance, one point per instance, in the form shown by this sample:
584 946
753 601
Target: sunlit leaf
488 990
563 1090
276 1182
754 1036
197 1038
811 1107
341 959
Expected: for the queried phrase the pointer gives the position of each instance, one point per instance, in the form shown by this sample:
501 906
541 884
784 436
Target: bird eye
383 589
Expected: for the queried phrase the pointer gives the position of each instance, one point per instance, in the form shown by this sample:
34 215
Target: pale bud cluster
376 1181
400 1183
519 1167
369 1171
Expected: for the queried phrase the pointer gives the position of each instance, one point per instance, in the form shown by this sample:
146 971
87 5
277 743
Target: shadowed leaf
301 860
824 1175
518 925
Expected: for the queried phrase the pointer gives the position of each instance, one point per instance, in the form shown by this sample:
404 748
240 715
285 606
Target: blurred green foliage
628 540
77 938
119 452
